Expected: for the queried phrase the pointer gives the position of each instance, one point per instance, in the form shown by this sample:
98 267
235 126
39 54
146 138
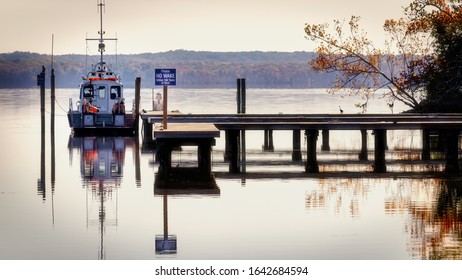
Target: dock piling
296 146
137 103
234 150
425 144
268 140
325 140
241 96
363 154
311 159
379 151
452 151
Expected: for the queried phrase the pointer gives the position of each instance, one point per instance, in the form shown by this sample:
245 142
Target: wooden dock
186 131
176 135
234 124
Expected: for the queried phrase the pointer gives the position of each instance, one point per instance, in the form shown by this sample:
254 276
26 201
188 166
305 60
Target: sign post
165 78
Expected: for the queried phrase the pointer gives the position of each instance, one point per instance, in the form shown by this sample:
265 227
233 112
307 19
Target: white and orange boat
101 107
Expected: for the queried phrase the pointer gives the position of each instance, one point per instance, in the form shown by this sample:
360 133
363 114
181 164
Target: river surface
94 198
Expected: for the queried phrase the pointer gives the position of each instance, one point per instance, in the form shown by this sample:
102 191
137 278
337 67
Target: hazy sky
201 25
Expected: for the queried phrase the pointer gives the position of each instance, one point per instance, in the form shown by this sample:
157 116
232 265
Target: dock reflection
102 161
166 243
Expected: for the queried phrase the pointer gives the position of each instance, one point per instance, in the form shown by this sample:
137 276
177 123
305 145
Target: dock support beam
164 152
204 158
296 146
452 151
425 144
325 140
363 153
204 162
311 159
268 140
379 151
233 142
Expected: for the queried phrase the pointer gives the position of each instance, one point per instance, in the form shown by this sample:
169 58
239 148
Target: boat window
88 91
115 92
102 92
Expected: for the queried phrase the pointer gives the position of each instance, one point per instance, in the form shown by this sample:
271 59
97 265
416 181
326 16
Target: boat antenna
101 46
101 32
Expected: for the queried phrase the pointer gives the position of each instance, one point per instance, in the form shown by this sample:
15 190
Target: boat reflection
102 161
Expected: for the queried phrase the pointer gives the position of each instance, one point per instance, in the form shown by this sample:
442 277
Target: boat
101 107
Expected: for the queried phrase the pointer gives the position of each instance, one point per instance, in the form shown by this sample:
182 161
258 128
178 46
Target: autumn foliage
419 66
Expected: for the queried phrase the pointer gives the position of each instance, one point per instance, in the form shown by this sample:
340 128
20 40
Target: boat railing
77 104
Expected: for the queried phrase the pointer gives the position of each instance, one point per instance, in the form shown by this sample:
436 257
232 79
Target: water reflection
344 195
166 243
431 207
435 229
102 161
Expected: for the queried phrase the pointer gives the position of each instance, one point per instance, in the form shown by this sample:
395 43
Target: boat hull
102 124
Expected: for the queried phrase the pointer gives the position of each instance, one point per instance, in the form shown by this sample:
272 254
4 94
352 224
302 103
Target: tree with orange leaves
419 66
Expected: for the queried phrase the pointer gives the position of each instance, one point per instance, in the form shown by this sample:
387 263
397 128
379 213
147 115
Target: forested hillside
194 69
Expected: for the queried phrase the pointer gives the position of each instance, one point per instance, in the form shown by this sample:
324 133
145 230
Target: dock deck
186 130
314 121
448 125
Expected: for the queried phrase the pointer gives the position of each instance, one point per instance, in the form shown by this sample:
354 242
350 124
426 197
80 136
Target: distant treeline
194 69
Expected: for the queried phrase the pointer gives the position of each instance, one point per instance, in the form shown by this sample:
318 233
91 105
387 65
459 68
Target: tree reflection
344 194
435 230
434 208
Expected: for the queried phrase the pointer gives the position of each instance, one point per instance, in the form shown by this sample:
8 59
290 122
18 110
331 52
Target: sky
162 25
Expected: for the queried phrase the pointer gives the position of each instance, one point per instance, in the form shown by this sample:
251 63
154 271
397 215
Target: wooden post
379 152
227 155
52 129
425 144
311 159
204 158
165 107
164 151
452 151
137 103
41 184
363 153
137 162
234 151
296 146
243 153
325 140
268 140
238 96
243 96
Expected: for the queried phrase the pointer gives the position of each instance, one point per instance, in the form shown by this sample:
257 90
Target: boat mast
101 45
101 32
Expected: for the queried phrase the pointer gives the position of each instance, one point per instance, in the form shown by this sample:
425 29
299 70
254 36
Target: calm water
97 200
